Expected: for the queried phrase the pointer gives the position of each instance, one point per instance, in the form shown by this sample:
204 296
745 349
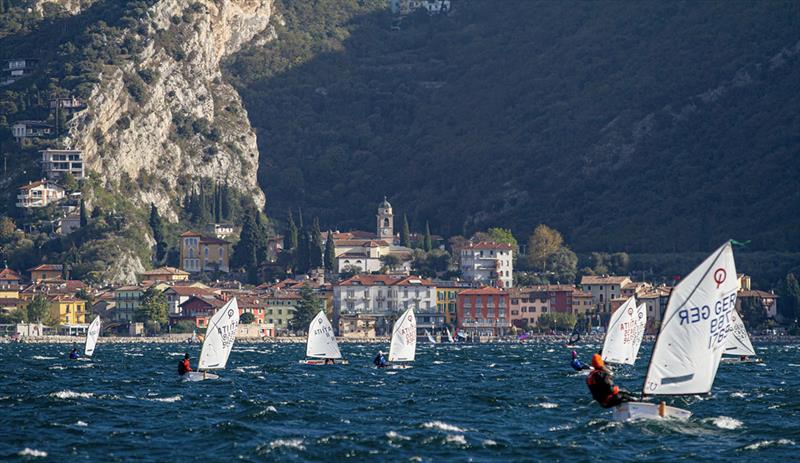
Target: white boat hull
195 376
322 362
648 411
398 366
738 360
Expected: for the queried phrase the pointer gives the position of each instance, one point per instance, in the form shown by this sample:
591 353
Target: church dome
385 204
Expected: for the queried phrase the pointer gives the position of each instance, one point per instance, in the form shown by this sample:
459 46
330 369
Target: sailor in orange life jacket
601 385
184 366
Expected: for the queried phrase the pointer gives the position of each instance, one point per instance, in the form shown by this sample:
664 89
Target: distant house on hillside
488 263
16 68
204 253
31 129
409 6
165 274
46 272
68 104
39 194
55 163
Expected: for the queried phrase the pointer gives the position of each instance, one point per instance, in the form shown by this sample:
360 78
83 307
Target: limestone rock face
164 119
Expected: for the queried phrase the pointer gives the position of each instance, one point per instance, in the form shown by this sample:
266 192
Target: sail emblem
230 313
719 276
630 310
409 318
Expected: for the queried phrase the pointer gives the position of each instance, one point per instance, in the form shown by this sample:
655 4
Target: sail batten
220 336
404 338
697 323
321 340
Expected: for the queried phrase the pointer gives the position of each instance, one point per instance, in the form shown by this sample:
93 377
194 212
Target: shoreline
182 339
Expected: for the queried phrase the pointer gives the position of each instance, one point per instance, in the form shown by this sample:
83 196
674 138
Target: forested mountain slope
635 126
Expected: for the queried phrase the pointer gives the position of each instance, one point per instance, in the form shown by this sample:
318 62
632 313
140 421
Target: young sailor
379 360
74 354
576 364
601 385
184 366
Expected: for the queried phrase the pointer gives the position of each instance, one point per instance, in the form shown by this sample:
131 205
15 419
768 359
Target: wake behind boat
218 342
321 345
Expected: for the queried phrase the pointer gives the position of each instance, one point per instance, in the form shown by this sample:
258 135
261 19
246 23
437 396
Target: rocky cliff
164 119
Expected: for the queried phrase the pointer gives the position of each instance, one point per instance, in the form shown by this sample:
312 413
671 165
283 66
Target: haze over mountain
638 126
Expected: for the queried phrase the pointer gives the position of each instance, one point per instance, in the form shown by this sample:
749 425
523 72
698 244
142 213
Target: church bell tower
385 222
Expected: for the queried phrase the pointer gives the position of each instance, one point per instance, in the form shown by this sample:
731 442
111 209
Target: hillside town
371 281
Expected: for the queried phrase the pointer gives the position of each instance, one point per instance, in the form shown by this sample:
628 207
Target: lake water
484 403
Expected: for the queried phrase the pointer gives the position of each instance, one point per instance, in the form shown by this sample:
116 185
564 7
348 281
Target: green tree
753 312
7 229
84 215
290 241
247 318
427 243
315 251
789 298
306 309
564 265
543 243
391 261
244 252
157 228
405 236
153 310
69 182
39 309
303 254
330 253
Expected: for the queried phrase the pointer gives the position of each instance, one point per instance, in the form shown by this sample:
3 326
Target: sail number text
720 318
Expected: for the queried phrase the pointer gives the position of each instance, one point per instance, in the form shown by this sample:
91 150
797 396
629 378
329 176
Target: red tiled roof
188 291
603 280
47 268
386 280
756 293
212 240
489 245
487 290
37 183
8 275
165 271
189 233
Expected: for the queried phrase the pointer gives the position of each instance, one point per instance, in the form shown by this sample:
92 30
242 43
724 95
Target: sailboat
625 332
91 336
692 338
218 342
430 338
321 345
739 344
404 341
450 338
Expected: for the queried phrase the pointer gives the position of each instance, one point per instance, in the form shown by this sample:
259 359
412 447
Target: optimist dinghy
321 346
404 341
218 342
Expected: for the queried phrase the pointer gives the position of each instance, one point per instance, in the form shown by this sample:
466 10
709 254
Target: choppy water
485 403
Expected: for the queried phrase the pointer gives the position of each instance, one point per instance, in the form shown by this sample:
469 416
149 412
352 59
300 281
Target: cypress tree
244 252
225 202
261 243
300 219
330 253
303 254
427 245
405 237
158 232
315 259
84 214
290 240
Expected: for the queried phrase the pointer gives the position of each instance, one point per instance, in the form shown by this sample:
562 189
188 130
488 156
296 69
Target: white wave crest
174 398
272 409
562 427
82 424
457 439
28 452
738 395
547 405
67 394
42 357
726 422
489 443
395 436
441 426
289 443
768 443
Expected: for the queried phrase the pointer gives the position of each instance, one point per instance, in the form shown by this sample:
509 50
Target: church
365 252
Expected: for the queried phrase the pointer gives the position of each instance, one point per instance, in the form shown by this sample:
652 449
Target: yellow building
204 253
68 310
280 310
446 294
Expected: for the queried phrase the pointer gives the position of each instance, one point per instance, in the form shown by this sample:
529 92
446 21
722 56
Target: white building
39 194
408 6
604 289
382 298
30 129
488 263
56 163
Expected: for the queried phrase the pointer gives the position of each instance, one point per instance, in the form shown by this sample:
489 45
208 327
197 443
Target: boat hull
194 376
648 411
322 362
397 366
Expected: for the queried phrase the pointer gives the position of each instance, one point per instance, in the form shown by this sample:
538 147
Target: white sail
620 345
430 338
91 336
404 338
641 325
321 341
449 336
738 341
220 334
695 328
